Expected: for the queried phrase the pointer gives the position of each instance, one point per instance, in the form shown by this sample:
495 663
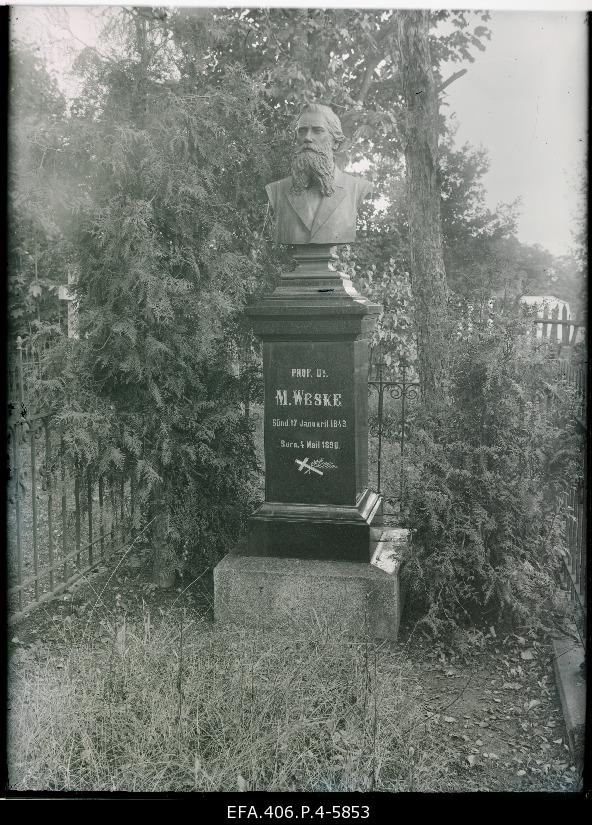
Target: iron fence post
403 366
64 503
89 503
380 407
49 474
19 371
17 507
77 509
101 517
32 433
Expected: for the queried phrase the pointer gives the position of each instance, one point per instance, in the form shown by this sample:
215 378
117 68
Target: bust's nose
307 137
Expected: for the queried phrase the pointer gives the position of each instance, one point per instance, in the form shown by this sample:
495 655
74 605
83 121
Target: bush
484 473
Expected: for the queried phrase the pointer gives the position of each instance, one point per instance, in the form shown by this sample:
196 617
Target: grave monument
316 548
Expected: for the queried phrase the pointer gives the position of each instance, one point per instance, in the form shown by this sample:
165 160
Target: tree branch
367 80
99 54
390 29
450 80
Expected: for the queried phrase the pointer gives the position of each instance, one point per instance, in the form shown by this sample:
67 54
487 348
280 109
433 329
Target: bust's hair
331 119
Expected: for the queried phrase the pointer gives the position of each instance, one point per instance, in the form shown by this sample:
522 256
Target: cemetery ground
117 685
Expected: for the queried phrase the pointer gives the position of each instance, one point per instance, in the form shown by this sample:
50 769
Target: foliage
163 231
474 236
343 56
484 258
579 254
485 477
388 286
167 243
37 191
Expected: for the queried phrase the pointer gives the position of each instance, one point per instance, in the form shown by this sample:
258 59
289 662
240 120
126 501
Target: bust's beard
312 167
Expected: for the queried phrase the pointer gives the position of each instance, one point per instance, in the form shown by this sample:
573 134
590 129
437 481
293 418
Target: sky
524 99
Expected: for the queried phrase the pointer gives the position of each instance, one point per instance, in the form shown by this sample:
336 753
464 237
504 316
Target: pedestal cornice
313 300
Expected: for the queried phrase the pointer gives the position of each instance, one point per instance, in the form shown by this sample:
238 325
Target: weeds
187 707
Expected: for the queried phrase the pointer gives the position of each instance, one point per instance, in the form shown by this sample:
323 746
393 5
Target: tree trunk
420 135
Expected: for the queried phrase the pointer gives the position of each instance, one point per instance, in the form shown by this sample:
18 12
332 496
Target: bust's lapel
298 204
329 205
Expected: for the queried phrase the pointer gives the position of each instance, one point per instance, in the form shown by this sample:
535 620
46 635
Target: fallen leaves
511 704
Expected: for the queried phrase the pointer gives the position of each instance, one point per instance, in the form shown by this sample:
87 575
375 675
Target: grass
191 707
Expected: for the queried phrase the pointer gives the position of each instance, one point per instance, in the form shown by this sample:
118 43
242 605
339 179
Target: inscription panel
310 422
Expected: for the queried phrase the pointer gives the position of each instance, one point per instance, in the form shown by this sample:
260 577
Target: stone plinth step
352 598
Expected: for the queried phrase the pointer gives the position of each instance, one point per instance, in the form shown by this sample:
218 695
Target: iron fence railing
574 572
64 518
571 377
399 388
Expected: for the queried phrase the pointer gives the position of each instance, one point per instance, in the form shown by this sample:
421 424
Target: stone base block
352 598
317 531
571 681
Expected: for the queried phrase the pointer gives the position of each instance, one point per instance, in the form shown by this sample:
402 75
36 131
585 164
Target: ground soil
498 709
492 697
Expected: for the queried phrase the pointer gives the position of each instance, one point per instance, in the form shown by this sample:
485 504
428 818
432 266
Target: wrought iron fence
392 390
22 369
64 518
571 374
564 345
574 562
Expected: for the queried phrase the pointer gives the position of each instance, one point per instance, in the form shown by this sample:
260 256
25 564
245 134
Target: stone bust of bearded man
318 203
